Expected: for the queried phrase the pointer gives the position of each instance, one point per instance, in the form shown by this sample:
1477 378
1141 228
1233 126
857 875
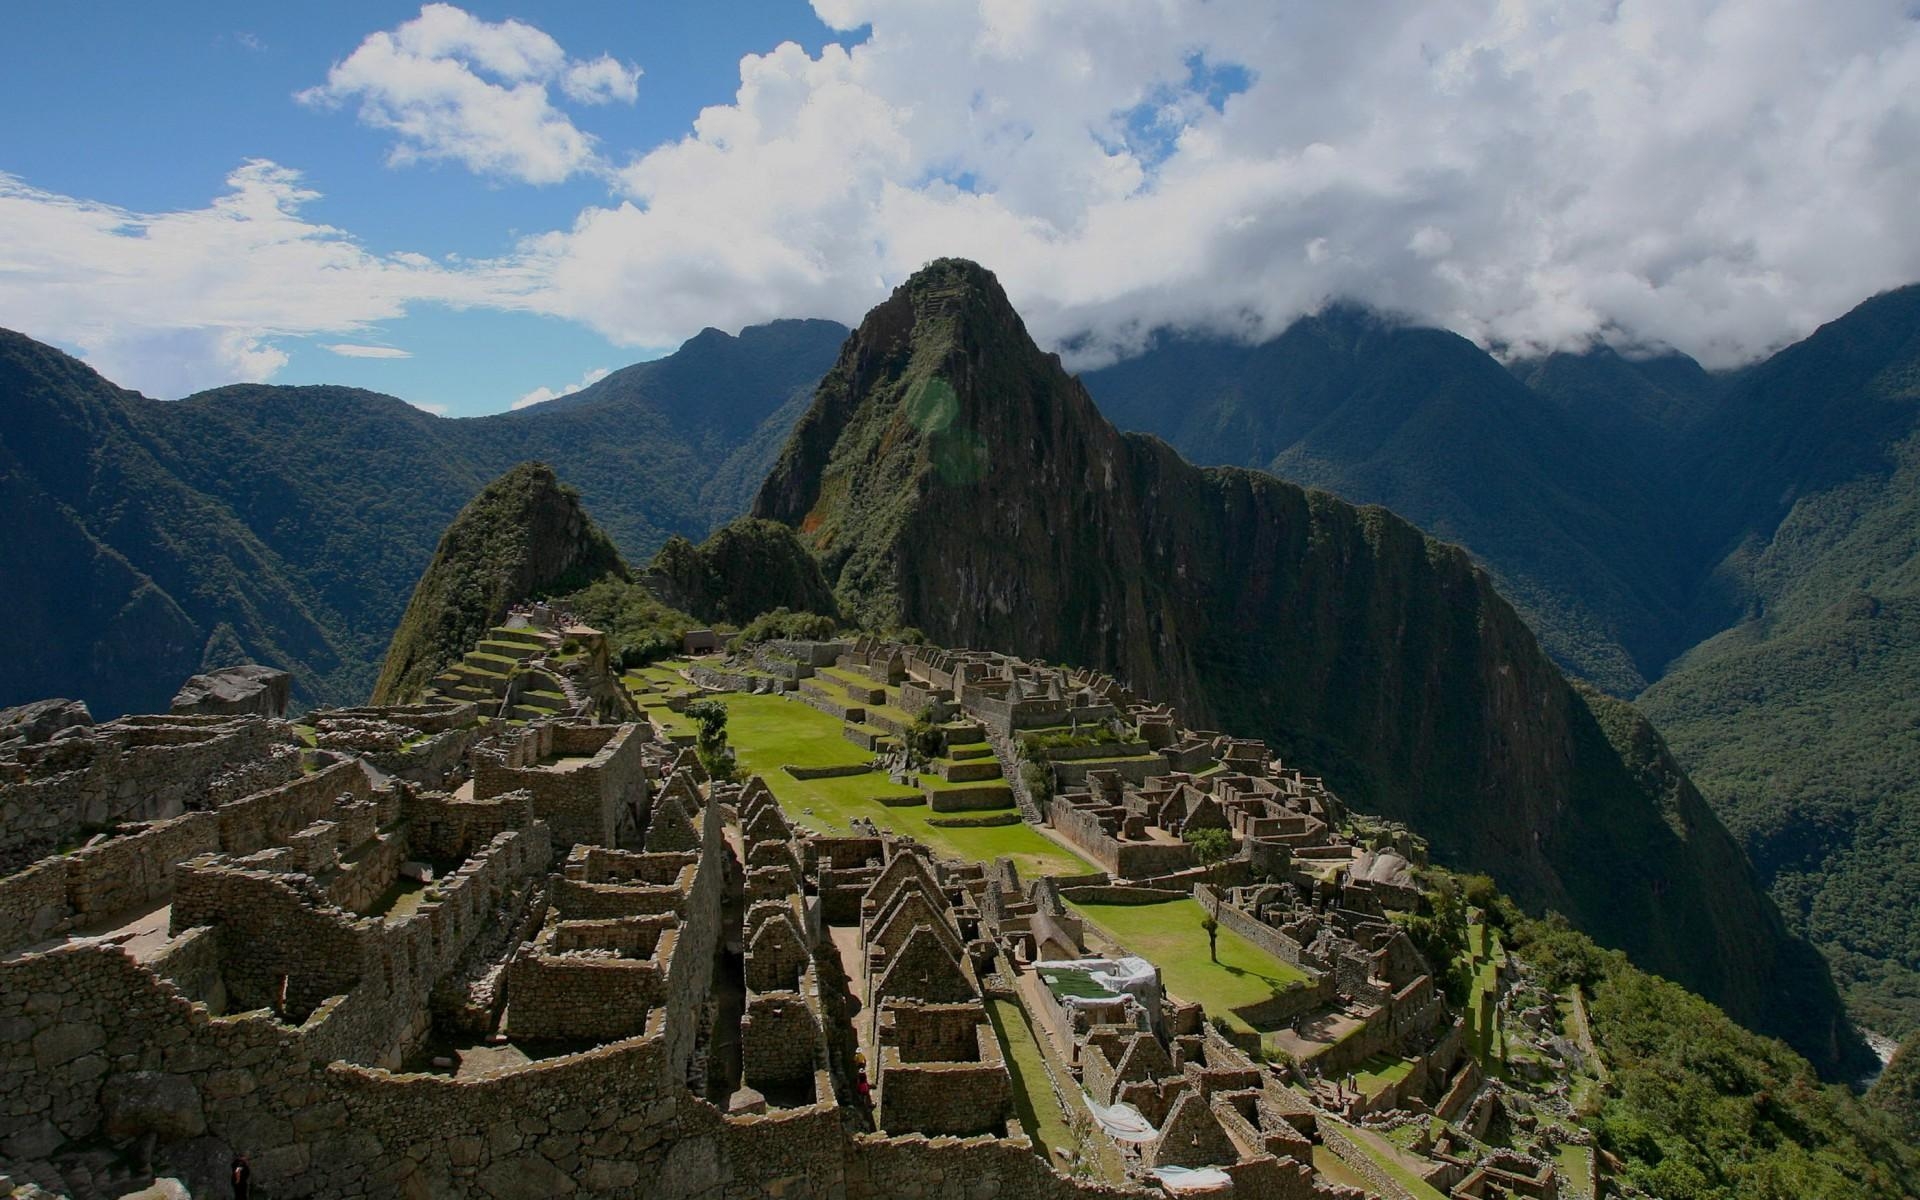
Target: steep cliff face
525 535
952 477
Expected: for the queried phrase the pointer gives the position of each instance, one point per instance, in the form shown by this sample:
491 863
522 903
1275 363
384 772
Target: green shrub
780 624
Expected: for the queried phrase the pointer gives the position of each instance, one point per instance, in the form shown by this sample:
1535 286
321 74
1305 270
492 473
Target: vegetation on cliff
1699 1108
745 568
1897 1091
1740 540
951 476
525 536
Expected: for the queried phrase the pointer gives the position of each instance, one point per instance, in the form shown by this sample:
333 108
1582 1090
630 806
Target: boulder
142 1102
250 688
39 721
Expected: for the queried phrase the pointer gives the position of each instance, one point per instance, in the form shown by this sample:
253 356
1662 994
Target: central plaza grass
1168 934
769 732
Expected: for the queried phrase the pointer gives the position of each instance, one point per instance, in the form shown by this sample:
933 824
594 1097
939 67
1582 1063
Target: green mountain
286 524
1799 714
123 578
745 568
952 477
1738 546
1427 424
524 536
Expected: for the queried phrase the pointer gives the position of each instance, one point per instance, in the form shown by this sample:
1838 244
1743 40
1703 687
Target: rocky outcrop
248 688
524 536
30 724
951 476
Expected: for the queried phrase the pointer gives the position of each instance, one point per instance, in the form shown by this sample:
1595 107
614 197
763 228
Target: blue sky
487 203
152 108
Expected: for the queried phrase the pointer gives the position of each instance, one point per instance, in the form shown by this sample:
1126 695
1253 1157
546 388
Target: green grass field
1034 1099
1168 934
1381 1071
1384 1154
769 732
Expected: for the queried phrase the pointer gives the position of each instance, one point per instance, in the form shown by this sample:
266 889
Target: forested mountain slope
952 477
286 524
1745 543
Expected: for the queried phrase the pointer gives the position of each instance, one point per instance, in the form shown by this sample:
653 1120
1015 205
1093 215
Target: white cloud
601 81
352 350
438 410
1717 174
174 302
541 395
452 87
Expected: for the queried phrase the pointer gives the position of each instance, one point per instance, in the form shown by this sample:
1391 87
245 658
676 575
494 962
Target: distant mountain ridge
1739 545
287 524
952 477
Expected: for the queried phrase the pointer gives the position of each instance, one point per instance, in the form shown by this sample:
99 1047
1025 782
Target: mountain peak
940 390
524 535
952 477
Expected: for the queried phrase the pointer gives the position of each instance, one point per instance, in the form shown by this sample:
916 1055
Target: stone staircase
483 676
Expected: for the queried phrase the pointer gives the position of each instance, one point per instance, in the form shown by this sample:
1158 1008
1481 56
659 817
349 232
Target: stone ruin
405 950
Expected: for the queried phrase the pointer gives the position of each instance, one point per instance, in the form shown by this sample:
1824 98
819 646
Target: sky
481 206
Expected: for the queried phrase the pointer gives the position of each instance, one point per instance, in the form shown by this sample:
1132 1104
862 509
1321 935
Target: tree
1211 846
926 741
711 742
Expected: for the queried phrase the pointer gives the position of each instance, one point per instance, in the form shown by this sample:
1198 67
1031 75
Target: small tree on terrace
1211 846
711 742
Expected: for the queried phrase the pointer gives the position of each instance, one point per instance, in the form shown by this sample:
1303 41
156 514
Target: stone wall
431 760
780 1039
33 903
937 1098
577 996
1250 927
444 829
589 803
635 937
601 901
882 1168
283 949
133 769
270 817
361 882
1127 860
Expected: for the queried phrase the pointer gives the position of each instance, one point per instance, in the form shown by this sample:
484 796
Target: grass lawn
1334 1169
1381 1071
1383 1153
1576 1168
1072 981
1168 935
769 732
1033 1097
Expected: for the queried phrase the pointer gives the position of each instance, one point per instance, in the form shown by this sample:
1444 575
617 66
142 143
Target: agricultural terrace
769 732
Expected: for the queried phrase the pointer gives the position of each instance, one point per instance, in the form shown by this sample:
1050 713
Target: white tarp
1129 976
1123 1122
1191 1179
